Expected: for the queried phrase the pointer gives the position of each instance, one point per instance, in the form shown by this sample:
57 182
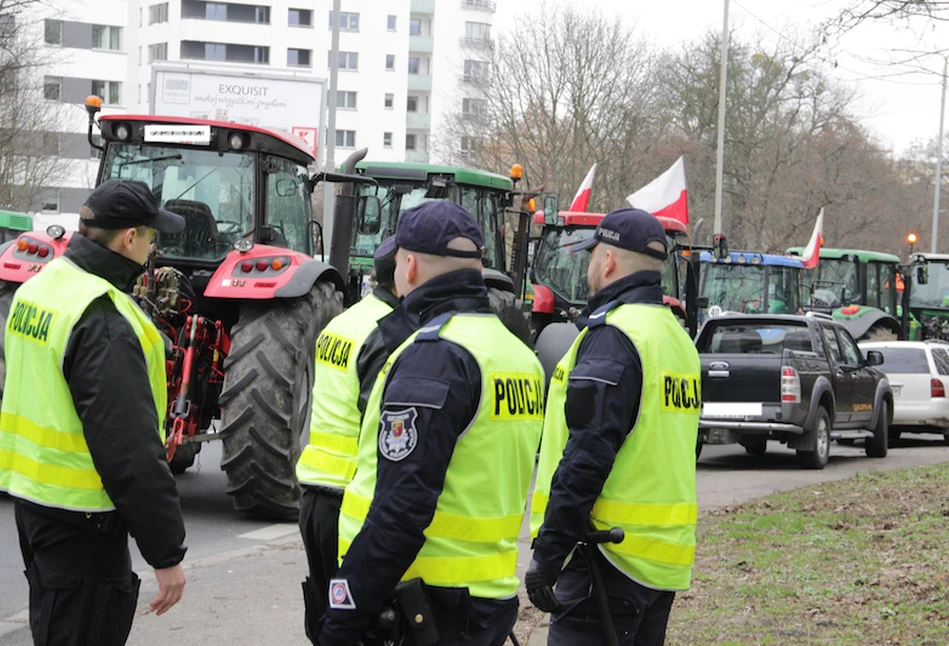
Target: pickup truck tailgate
741 378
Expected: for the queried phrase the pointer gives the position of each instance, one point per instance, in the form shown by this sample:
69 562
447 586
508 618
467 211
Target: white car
918 372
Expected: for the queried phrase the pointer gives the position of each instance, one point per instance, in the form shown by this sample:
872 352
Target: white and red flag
812 251
665 196
582 198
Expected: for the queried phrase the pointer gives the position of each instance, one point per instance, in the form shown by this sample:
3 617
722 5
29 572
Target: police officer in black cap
618 449
328 462
446 454
81 437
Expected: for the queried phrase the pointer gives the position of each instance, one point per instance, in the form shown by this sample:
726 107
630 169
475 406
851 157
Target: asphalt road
224 544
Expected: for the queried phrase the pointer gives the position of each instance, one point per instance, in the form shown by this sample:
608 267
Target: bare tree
29 123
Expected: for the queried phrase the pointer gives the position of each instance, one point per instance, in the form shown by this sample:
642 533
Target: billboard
293 104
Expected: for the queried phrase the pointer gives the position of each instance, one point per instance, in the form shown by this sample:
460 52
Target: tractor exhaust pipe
343 216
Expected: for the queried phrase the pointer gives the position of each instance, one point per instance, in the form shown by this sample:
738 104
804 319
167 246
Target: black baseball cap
429 227
630 229
126 203
384 260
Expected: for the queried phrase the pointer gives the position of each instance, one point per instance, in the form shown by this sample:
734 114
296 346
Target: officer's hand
171 585
540 581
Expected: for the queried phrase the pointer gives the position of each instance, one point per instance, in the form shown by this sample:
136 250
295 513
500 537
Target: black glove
540 581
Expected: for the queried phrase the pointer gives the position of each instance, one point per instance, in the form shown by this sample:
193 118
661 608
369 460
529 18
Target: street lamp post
720 156
939 146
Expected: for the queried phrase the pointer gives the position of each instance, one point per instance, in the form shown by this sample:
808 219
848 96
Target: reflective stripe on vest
329 460
472 539
43 452
650 491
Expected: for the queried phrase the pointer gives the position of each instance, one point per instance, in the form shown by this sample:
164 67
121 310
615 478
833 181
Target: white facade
409 59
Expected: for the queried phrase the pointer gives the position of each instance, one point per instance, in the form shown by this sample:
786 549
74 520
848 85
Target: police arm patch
398 434
340 596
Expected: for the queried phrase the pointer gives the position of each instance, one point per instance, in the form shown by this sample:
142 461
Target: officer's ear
609 261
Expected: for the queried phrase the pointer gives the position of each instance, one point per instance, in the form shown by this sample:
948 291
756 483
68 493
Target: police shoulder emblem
398 435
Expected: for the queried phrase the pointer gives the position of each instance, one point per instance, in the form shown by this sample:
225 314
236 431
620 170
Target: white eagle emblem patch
397 434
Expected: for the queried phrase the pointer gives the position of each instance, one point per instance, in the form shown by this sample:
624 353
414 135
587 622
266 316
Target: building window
262 15
387 140
469 145
347 21
472 107
50 143
410 141
346 138
413 64
105 37
262 55
191 49
390 25
139 54
347 60
415 27
53 88
109 91
298 58
390 100
158 52
53 32
214 52
257 14
158 13
49 201
477 31
411 103
346 100
390 62
474 69
300 18
215 11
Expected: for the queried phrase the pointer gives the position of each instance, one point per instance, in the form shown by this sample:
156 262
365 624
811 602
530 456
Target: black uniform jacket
408 488
603 396
105 369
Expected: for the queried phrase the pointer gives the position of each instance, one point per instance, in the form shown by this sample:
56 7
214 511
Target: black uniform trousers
640 614
82 588
319 527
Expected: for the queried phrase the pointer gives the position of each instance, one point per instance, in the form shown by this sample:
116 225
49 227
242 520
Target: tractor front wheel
265 403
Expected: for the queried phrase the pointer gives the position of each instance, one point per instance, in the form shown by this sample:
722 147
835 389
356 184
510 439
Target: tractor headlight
243 245
55 231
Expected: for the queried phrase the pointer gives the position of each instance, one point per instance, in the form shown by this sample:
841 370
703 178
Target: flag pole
720 158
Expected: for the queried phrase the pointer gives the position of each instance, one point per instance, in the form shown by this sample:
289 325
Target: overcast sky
899 106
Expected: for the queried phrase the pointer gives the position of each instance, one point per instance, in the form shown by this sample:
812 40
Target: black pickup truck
800 380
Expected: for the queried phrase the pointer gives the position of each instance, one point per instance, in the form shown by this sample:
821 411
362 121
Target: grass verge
857 561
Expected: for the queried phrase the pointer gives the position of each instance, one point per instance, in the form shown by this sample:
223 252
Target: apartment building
403 64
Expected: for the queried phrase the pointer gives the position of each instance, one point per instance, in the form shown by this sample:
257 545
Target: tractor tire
265 402
6 299
509 309
880 333
184 458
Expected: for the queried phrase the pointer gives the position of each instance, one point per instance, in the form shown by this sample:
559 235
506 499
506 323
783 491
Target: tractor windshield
834 280
564 270
213 191
935 293
751 288
398 198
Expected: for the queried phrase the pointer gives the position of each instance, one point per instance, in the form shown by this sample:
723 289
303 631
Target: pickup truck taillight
936 388
790 385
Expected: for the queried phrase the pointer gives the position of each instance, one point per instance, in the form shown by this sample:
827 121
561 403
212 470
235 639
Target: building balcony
479 5
486 44
418 121
420 83
420 43
423 6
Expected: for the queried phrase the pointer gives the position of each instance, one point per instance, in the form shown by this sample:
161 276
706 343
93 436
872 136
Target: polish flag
812 252
582 198
665 196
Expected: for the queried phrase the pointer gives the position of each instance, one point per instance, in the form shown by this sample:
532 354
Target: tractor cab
929 298
859 288
559 274
751 282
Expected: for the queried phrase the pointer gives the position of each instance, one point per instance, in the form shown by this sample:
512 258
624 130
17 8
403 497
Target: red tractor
238 292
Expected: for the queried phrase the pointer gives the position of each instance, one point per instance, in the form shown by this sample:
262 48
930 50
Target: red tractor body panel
256 274
19 265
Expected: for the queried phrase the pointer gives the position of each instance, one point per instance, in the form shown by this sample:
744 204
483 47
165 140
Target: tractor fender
883 387
494 278
861 325
306 275
19 266
553 343
808 441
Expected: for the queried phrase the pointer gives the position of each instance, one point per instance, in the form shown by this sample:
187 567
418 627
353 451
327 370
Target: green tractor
859 288
375 209
929 297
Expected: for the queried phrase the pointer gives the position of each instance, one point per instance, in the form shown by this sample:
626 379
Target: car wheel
894 435
876 446
817 457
